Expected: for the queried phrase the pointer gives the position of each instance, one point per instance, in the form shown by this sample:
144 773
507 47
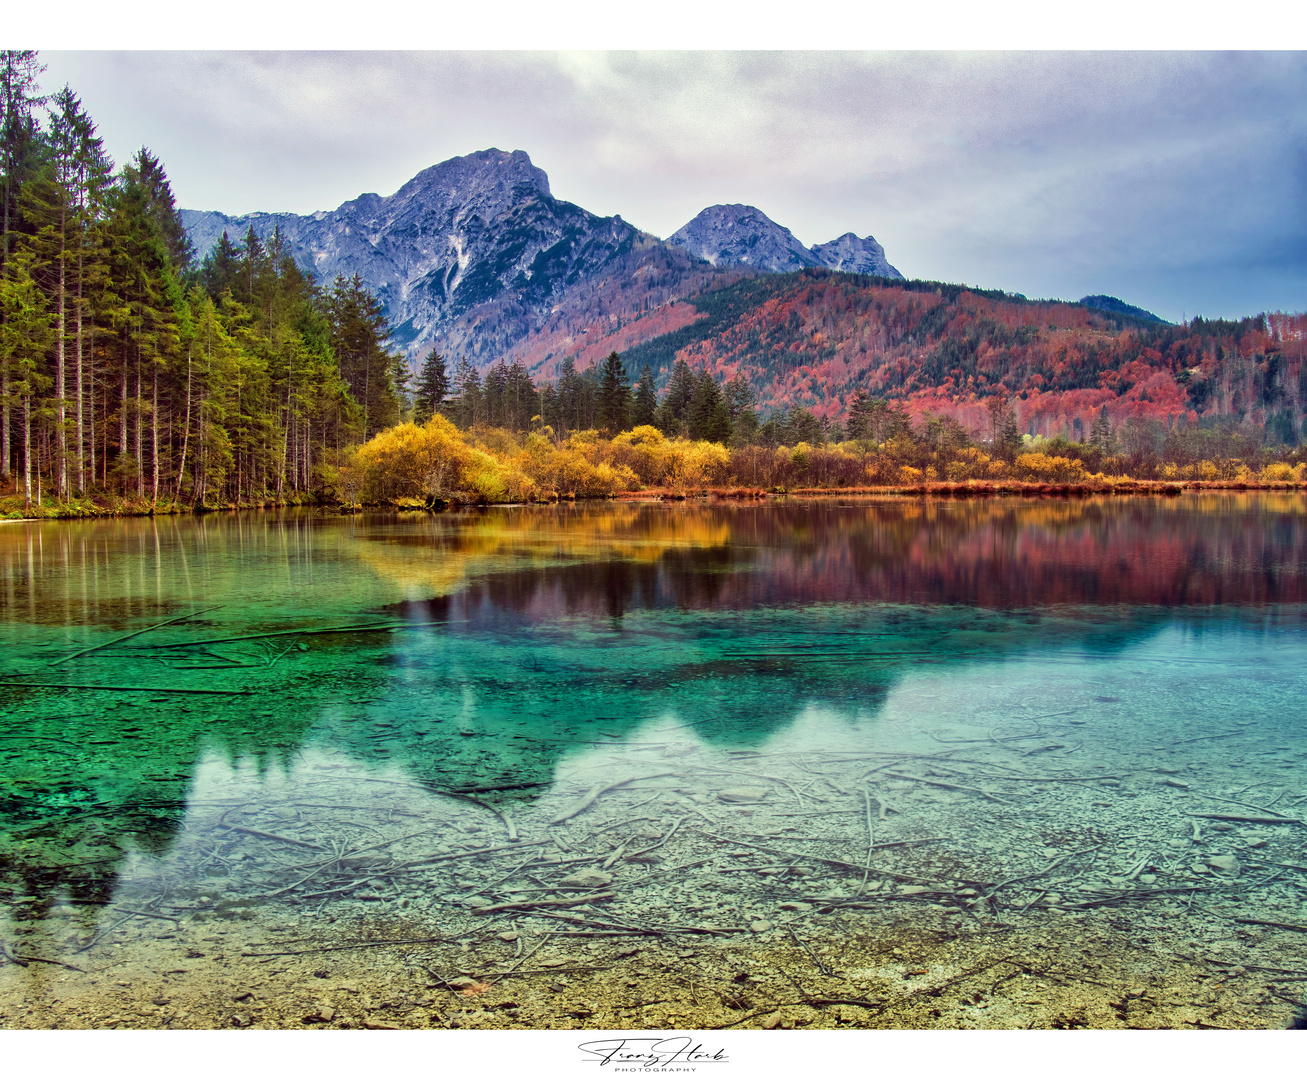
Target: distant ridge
1119 307
734 234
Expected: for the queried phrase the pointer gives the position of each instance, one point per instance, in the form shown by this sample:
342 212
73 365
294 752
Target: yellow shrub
487 479
1281 471
1049 470
970 463
644 451
692 466
575 468
413 461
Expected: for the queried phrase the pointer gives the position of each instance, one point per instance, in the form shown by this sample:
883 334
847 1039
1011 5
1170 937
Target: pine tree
644 403
466 409
432 386
60 203
1010 437
861 422
25 334
740 400
614 403
19 144
88 180
142 218
358 333
221 267
709 417
1100 433
1004 435
571 399
800 425
674 411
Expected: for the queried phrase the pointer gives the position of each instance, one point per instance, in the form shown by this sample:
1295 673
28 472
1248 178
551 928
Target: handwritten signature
651 1053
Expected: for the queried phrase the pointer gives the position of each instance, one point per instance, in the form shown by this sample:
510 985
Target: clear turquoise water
526 653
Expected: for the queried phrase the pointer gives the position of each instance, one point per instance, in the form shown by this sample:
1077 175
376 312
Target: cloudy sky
1174 180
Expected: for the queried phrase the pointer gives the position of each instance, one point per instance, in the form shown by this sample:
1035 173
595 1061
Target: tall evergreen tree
709 417
466 409
740 400
1100 433
25 334
19 149
432 386
88 179
358 333
571 399
674 411
521 399
60 203
644 403
221 267
614 403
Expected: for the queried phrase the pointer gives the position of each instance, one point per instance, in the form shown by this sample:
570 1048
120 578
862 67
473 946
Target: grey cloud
1047 173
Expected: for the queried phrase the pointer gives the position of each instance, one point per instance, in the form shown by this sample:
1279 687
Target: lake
838 763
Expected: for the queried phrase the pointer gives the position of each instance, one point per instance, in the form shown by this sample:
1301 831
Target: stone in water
588 879
742 794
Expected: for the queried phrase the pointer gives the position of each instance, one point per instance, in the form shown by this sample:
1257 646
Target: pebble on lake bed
742 794
588 879
1226 864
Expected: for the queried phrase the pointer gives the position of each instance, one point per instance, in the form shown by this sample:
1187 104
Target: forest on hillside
815 339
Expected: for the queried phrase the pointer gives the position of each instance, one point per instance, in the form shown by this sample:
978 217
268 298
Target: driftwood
128 637
1252 820
128 689
362 629
272 836
951 787
600 789
527 905
447 856
1278 925
358 945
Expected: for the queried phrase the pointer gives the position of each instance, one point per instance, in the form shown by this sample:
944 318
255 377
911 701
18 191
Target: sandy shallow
1038 875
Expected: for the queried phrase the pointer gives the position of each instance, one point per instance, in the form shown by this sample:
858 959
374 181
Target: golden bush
413 461
1049 470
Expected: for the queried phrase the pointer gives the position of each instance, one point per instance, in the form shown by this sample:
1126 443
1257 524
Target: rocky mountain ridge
462 234
475 254
734 234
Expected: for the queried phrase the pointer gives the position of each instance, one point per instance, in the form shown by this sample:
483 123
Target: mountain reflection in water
534 630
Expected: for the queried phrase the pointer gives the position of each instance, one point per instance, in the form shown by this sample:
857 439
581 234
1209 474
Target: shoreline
915 968
932 489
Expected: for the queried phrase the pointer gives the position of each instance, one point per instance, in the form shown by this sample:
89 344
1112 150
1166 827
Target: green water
523 654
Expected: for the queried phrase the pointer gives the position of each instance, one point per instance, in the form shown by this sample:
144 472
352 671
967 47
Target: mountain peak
856 255
737 234
508 174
